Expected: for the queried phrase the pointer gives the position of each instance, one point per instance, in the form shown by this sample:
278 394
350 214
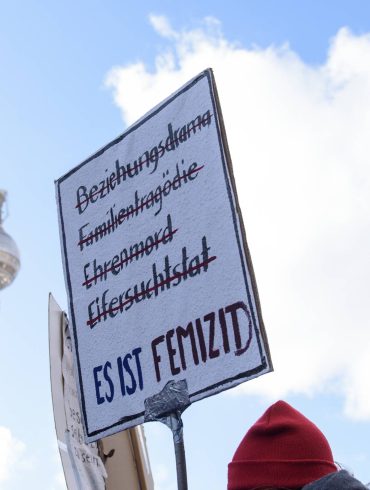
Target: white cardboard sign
82 465
157 269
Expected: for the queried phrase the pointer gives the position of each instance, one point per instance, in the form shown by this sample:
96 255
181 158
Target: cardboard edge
55 316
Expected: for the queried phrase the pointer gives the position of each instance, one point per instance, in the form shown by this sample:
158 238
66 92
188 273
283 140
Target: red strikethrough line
90 237
156 242
137 165
160 284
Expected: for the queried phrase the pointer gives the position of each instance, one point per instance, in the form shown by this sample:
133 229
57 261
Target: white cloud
11 452
299 139
162 478
162 26
58 481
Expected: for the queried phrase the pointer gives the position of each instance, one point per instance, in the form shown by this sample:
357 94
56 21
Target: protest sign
82 465
114 462
158 273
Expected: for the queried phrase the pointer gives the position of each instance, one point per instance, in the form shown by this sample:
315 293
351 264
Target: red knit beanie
282 449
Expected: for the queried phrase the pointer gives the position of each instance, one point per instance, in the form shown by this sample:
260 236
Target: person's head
282 450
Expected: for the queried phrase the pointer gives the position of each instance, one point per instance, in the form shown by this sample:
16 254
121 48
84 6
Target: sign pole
176 425
182 482
167 407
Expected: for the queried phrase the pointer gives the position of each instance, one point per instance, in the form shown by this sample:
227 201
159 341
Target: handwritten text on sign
158 278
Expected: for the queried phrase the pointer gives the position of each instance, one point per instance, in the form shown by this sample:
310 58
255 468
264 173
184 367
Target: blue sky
56 108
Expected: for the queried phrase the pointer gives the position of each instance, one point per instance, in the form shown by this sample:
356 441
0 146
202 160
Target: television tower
9 254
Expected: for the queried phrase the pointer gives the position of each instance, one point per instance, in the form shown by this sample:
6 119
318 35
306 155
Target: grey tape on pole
167 407
173 398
